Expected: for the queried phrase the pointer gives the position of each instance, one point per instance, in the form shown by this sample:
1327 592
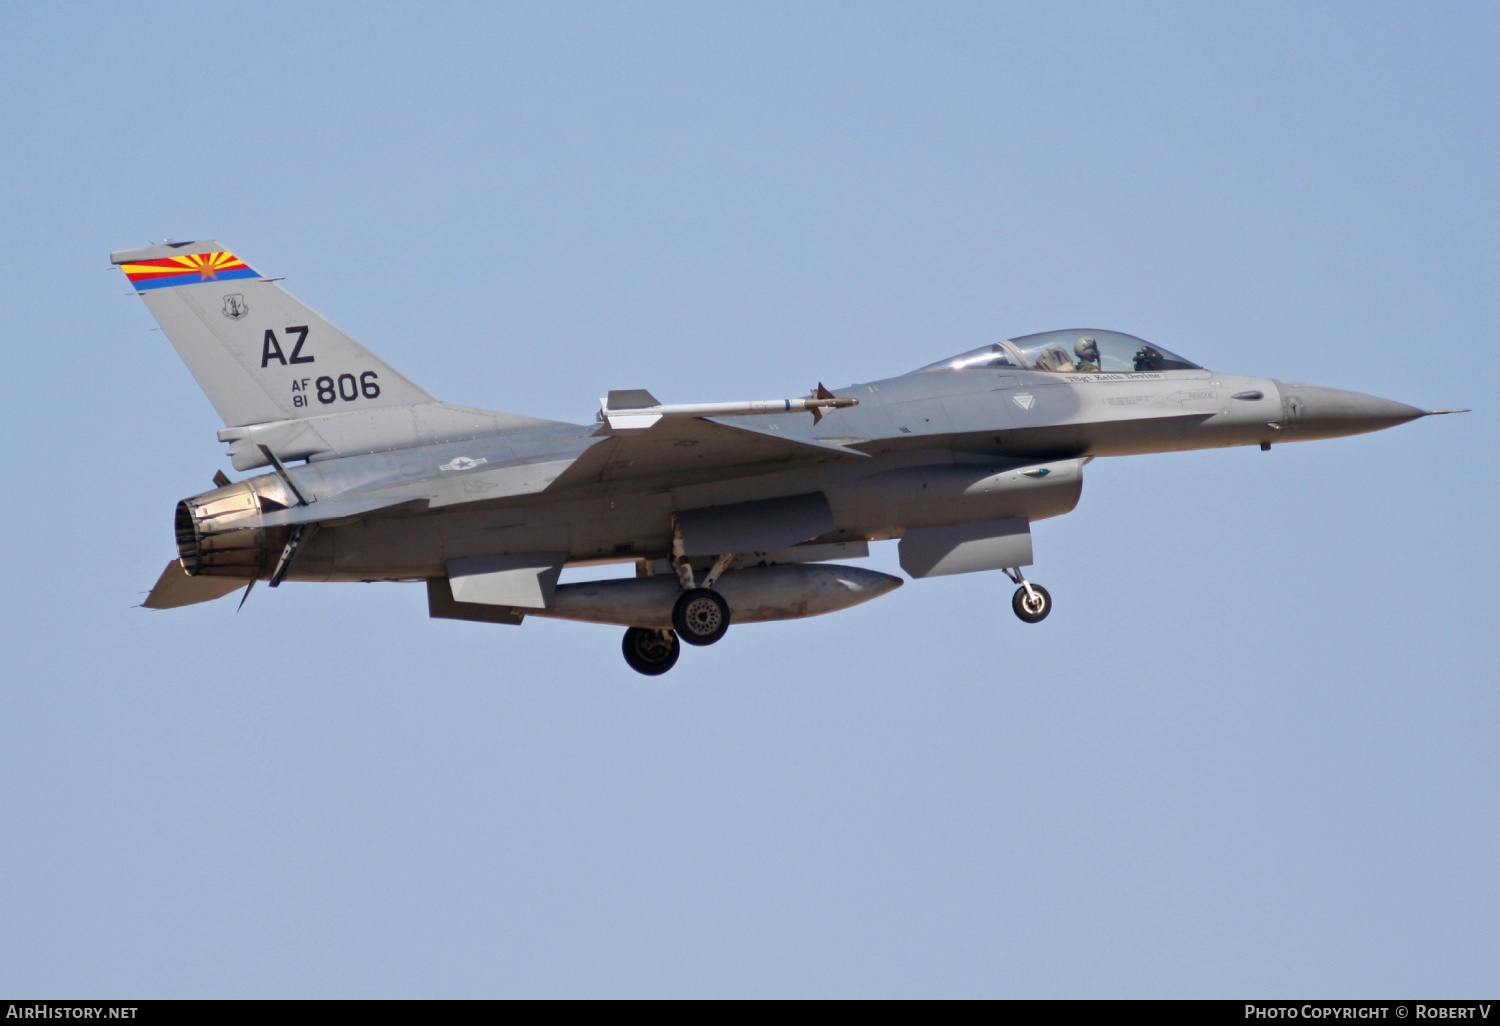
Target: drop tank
755 595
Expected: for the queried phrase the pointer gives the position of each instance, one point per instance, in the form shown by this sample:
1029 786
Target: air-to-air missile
733 512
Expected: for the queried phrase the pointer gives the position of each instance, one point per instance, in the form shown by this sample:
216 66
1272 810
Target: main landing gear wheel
701 616
651 651
1032 608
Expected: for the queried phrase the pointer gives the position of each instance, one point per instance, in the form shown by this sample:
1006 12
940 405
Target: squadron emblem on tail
731 512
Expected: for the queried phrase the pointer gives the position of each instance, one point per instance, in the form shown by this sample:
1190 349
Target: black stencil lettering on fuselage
270 350
345 388
301 332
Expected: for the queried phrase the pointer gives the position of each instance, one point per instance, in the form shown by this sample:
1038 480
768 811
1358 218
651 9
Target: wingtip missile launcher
731 512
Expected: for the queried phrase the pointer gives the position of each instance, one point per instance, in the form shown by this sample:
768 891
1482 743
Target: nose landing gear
1031 601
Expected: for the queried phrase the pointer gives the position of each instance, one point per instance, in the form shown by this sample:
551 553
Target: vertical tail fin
257 352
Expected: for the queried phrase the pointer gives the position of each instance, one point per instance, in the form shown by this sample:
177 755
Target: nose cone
1309 411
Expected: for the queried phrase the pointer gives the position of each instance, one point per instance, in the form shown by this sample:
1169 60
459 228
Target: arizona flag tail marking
188 269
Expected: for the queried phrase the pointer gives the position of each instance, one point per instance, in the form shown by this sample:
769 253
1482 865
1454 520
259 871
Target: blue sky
1252 752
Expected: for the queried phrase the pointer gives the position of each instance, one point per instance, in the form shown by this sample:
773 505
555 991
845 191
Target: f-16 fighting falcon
731 512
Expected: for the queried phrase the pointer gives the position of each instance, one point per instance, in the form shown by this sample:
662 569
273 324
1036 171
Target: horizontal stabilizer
503 482
348 434
174 588
339 509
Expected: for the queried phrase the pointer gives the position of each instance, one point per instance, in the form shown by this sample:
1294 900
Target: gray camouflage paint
402 485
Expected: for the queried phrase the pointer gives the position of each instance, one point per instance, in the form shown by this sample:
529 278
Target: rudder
258 353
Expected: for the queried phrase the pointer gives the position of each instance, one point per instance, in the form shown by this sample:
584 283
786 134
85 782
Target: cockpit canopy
1076 351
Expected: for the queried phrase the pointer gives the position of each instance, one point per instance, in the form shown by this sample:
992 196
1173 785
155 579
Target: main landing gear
1031 601
651 651
700 616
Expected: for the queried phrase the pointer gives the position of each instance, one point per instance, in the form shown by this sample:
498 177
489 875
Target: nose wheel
1031 601
650 651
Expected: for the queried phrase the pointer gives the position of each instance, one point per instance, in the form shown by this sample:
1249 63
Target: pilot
1087 351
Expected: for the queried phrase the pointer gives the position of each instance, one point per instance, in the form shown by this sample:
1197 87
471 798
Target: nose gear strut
1031 601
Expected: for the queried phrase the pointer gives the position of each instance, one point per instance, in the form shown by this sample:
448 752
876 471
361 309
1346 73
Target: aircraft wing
680 450
686 449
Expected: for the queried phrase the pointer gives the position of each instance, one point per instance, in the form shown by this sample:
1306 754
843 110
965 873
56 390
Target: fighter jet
731 512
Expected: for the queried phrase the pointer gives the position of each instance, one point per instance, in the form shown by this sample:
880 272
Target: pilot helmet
1087 349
